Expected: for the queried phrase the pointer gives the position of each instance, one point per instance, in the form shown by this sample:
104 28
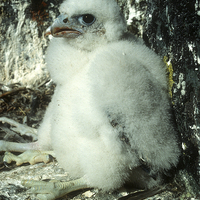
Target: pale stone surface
11 188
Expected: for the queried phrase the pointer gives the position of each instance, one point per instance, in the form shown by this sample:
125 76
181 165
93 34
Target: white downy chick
110 110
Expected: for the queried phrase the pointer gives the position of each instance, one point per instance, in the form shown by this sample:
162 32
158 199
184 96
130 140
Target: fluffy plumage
110 111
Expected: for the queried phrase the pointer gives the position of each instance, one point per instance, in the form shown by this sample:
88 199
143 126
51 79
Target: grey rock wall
172 30
22 43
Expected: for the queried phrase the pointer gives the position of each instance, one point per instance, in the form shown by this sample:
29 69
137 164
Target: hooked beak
63 27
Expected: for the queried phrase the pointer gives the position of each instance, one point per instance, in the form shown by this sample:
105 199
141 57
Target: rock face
172 30
22 40
168 27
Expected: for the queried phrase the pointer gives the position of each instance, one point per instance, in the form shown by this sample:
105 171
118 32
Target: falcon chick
110 108
110 111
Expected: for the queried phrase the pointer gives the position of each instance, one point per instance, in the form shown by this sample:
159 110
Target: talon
5 163
7 157
50 157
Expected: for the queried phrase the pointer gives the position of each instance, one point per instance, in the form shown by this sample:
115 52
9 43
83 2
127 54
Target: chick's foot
20 128
53 189
31 156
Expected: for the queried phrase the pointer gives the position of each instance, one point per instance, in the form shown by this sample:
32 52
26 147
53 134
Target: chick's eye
87 19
